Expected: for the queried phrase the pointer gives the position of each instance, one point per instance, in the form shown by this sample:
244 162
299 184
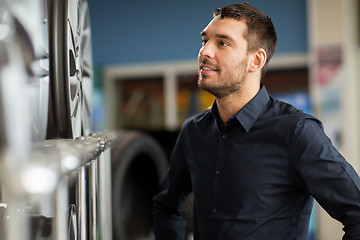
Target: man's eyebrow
219 35
224 36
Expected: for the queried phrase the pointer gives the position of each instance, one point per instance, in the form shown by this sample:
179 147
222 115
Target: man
253 163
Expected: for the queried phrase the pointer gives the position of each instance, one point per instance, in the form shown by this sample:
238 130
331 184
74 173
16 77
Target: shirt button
224 136
217 172
214 210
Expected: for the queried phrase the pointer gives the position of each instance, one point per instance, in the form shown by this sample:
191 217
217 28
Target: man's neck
229 105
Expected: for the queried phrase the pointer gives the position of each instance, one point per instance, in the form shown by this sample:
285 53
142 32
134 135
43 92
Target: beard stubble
227 82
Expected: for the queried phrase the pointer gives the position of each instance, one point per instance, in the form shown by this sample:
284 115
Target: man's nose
207 50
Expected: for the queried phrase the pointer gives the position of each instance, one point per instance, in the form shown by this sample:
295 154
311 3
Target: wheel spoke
87 71
74 114
86 32
87 104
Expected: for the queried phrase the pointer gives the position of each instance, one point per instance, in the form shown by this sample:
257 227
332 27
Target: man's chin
207 88
204 80
202 83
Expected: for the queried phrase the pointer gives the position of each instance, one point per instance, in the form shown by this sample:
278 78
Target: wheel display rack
57 180
55 177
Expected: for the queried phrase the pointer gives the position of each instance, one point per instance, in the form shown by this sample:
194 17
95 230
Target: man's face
223 58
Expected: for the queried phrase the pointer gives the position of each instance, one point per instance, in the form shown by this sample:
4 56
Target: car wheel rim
80 67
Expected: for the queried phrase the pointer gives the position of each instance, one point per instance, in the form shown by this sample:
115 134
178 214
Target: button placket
221 155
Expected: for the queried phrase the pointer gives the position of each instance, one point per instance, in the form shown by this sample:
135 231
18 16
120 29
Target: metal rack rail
36 191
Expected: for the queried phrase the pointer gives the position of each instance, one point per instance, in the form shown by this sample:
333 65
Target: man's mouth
206 69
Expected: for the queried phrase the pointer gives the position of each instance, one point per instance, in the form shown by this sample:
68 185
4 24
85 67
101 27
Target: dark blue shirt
256 177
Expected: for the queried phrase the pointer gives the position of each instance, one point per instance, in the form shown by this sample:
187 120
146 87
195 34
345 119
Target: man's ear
257 60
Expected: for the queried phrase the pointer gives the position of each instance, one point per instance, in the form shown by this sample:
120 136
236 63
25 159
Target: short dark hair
261 31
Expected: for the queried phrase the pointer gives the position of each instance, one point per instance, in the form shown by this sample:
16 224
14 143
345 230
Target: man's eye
203 42
223 44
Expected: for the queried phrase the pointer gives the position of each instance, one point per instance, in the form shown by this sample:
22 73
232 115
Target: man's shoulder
285 109
290 115
197 118
196 124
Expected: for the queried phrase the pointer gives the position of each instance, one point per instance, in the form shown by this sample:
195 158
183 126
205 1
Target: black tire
59 124
138 166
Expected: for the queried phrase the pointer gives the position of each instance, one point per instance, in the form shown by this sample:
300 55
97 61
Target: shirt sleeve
322 171
169 223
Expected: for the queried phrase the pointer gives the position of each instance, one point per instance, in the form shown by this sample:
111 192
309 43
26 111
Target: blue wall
166 30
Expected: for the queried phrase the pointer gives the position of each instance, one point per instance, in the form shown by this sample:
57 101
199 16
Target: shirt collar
251 111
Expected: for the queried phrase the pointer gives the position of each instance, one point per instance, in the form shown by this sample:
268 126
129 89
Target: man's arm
328 177
169 223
